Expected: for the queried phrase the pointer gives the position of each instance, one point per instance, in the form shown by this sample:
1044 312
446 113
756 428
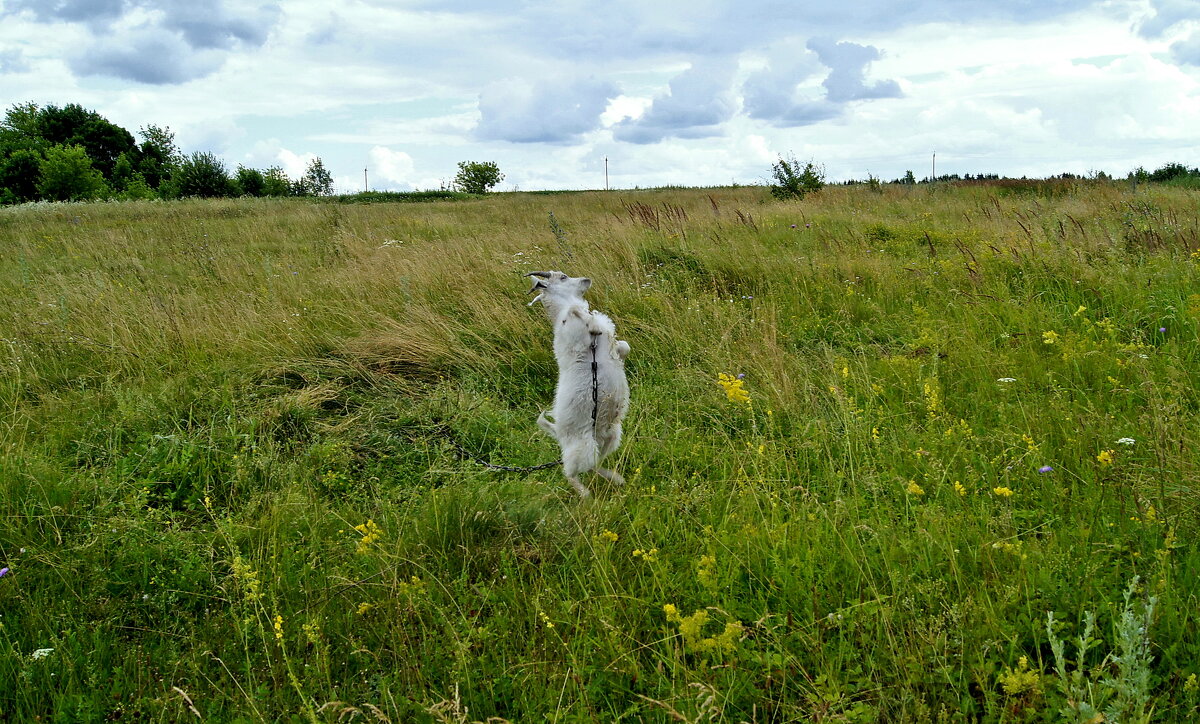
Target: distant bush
201 174
400 197
316 181
67 175
794 182
276 183
477 177
1170 171
250 181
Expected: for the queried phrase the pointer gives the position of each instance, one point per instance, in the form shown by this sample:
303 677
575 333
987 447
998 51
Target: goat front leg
547 426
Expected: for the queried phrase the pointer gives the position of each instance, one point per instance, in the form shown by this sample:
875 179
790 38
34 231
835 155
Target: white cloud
695 105
556 110
394 167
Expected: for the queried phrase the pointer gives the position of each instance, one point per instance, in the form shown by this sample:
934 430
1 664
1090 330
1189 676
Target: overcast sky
691 93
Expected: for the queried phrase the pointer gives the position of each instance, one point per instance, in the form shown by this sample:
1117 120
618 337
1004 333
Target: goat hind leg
580 488
611 476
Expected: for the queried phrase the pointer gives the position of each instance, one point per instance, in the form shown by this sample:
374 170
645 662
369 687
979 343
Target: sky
659 92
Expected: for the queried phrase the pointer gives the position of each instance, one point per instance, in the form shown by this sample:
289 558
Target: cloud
774 93
1187 51
542 111
145 55
394 166
847 70
13 61
157 43
1167 13
72 11
210 24
695 105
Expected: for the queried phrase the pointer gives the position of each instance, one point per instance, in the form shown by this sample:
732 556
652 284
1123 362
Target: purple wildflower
793 226
808 226
1162 329
741 375
3 572
1045 469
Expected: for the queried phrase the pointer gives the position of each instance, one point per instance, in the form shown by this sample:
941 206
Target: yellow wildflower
363 608
1003 491
960 488
1105 457
278 627
913 489
649 556
734 390
607 537
370 533
1049 337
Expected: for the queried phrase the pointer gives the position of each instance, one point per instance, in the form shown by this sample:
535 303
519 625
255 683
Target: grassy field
962 483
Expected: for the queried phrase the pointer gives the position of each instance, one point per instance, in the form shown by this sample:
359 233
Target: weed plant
877 438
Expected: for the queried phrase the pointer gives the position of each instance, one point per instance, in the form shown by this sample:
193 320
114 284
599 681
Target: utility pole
364 179
934 176
606 173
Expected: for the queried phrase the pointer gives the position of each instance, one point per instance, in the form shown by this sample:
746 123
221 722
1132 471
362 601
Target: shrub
793 182
1169 171
67 175
276 182
317 180
477 177
251 181
201 174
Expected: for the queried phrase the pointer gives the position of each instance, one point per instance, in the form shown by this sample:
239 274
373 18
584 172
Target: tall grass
228 487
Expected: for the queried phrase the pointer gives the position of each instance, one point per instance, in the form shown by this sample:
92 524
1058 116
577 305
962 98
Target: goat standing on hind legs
592 396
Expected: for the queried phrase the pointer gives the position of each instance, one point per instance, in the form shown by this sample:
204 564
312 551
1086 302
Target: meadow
903 453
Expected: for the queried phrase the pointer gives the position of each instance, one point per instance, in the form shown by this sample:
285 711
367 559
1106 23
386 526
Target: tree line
69 153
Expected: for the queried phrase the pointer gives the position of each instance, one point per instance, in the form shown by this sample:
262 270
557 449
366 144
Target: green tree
122 172
317 180
159 155
792 181
21 150
276 182
20 170
251 181
67 175
72 124
22 121
201 174
477 177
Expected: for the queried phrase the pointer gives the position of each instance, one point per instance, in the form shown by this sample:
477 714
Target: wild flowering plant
370 533
734 389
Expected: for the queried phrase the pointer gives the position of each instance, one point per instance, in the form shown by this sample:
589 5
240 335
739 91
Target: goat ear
537 284
585 284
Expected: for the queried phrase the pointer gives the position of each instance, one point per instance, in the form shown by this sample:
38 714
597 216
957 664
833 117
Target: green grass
226 484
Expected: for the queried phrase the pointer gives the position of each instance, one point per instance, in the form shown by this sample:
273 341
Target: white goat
592 396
